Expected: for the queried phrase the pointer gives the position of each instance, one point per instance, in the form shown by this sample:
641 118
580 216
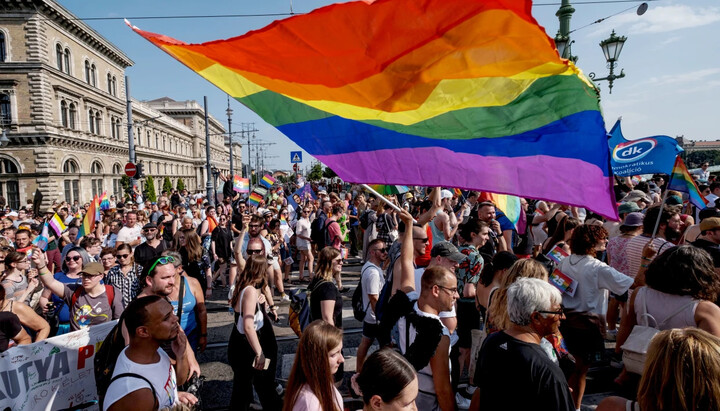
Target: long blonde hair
527 268
312 366
324 264
682 372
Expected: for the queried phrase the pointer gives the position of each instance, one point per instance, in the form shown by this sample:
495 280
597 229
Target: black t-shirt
712 249
222 237
145 255
515 375
9 327
323 292
237 221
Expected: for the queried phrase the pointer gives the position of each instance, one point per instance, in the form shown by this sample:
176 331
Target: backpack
299 314
106 357
133 375
365 219
359 309
326 233
109 292
384 296
317 235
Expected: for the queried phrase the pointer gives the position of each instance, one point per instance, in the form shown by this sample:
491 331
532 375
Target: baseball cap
93 269
447 250
322 193
636 195
710 224
629 207
446 194
634 220
149 225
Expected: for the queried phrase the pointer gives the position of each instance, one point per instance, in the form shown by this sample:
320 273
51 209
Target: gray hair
85 257
528 295
177 259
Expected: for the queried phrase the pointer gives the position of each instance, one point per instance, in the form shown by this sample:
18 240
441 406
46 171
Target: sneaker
285 297
462 402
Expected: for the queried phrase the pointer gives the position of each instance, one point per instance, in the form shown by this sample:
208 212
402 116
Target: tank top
668 310
187 321
437 234
258 320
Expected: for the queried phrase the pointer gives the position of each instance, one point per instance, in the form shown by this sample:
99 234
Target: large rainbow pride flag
460 93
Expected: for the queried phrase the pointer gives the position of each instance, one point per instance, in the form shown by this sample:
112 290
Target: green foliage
125 183
150 193
167 185
329 173
180 184
316 173
694 159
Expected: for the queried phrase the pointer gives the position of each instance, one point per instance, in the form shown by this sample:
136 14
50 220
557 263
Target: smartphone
265 366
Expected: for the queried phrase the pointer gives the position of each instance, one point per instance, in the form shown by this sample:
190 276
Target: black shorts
370 331
468 318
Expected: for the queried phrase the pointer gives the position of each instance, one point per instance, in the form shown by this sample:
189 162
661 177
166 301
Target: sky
671 58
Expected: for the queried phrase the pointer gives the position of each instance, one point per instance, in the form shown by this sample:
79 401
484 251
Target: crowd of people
451 289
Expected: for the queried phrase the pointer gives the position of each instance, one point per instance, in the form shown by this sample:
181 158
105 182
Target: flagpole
662 204
385 200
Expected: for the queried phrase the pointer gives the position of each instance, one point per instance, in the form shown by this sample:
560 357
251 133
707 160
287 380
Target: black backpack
106 357
326 233
365 219
317 236
359 309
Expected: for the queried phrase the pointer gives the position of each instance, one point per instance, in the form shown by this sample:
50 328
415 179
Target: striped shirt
633 251
128 284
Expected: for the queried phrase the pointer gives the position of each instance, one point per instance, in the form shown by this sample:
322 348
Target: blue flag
647 155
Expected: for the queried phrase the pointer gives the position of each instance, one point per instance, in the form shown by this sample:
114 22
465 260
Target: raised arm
407 256
56 287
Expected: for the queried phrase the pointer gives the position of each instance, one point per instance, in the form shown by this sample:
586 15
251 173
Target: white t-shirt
127 234
372 282
161 374
303 229
593 277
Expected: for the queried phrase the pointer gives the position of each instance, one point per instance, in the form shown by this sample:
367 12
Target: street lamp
230 135
4 140
611 47
215 174
564 47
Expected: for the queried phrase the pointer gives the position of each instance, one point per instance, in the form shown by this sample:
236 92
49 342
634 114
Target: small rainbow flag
90 218
283 221
57 224
510 205
104 201
681 181
267 181
255 199
241 185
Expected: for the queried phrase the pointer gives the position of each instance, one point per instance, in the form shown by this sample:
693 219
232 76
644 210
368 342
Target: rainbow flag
91 217
104 201
57 224
401 86
211 224
283 221
682 181
254 199
241 185
267 181
41 241
510 205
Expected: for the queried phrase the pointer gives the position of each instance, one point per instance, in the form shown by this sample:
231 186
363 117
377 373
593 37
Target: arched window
109 83
96 168
91 122
93 75
87 71
118 132
7 166
5 112
97 122
70 167
3 47
117 169
72 114
64 113
59 57
157 140
9 187
114 86
67 61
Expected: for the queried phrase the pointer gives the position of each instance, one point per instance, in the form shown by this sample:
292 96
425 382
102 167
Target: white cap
446 194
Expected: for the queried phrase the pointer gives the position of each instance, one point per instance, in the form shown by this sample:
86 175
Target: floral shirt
616 250
468 272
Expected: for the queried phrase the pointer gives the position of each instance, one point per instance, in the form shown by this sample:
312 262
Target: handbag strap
180 297
644 314
678 311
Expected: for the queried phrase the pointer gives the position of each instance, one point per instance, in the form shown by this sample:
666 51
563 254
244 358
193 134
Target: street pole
131 137
249 169
209 182
229 114
564 14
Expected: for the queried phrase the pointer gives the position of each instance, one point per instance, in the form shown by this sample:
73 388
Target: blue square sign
296 156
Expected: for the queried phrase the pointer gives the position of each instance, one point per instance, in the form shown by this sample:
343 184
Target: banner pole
382 198
657 222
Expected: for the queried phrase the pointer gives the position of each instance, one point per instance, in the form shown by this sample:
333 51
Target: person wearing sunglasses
91 302
153 246
125 276
513 371
73 260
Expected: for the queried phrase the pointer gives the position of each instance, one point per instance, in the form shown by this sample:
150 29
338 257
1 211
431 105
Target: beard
671 234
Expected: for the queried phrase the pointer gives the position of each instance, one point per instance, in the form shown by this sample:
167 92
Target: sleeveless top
668 310
258 320
187 321
437 234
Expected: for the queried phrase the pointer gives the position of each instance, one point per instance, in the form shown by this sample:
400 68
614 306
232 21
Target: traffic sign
296 156
295 167
130 170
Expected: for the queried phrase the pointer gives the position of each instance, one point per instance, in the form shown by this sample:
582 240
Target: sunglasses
76 258
149 229
122 255
162 261
254 251
254 225
383 250
424 240
87 275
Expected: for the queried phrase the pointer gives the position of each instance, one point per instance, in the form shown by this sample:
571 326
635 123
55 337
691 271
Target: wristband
644 266
646 258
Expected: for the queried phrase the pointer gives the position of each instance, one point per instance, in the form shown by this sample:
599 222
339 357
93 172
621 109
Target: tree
167 185
316 173
150 193
180 184
329 173
125 183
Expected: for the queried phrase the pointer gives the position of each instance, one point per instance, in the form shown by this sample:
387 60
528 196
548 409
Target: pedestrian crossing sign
296 156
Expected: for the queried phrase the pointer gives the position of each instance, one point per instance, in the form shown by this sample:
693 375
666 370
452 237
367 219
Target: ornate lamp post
611 47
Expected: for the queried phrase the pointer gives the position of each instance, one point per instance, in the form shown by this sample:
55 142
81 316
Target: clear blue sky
671 58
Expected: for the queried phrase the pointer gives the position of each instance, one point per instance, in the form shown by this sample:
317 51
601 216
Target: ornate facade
63 110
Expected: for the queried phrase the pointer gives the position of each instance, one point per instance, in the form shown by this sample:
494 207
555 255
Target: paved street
213 362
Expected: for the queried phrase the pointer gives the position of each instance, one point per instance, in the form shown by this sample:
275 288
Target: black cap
149 225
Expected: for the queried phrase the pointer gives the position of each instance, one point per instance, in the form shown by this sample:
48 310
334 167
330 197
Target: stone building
63 112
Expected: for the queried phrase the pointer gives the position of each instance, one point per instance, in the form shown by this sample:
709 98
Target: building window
5 113
97 183
114 86
119 130
3 47
157 140
67 61
97 123
93 75
64 113
117 186
87 71
91 122
109 83
9 188
59 56
72 186
72 113
70 167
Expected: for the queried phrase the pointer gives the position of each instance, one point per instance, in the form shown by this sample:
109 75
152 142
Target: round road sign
130 170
